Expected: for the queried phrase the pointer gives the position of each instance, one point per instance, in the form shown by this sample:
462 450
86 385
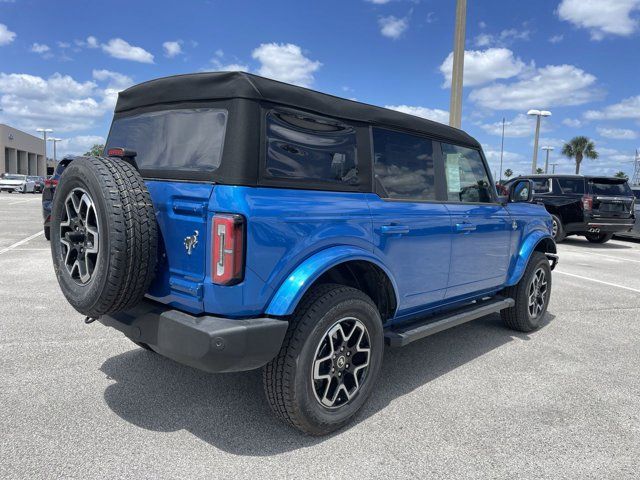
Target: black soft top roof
230 85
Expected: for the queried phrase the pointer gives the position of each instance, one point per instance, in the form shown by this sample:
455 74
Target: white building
21 152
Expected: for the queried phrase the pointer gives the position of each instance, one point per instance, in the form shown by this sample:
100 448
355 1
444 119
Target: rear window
14 177
174 140
571 185
302 147
610 187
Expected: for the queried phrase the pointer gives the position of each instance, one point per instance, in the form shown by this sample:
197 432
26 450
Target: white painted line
605 256
21 242
594 280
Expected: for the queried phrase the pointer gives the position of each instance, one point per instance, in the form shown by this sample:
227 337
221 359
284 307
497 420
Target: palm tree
539 170
508 172
578 148
621 174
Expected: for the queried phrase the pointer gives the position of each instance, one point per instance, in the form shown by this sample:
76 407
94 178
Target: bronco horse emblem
191 242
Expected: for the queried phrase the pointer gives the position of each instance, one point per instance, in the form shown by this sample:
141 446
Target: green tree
508 173
578 148
621 174
95 151
539 170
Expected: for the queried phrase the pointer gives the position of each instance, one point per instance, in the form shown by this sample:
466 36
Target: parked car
38 183
635 231
239 222
49 189
591 206
12 182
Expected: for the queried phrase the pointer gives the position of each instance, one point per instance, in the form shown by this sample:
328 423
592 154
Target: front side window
302 147
467 178
541 185
184 140
403 165
571 185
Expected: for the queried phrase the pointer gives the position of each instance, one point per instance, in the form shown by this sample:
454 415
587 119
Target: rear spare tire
103 236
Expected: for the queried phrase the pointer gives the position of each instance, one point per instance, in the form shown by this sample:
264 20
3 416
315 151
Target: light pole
455 105
44 133
537 114
55 141
501 150
554 167
546 161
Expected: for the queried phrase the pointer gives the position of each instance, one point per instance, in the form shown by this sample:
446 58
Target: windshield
610 187
9 176
35 179
184 140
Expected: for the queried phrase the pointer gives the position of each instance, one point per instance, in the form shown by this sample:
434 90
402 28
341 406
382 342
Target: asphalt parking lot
477 401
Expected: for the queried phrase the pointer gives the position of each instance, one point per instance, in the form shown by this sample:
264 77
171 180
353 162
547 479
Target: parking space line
605 256
594 280
21 242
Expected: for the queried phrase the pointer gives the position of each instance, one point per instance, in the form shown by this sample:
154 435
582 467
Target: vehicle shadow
583 243
229 411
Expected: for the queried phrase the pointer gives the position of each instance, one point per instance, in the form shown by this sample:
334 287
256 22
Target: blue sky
62 63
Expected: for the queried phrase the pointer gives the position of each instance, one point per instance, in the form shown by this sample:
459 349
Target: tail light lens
587 202
51 182
227 259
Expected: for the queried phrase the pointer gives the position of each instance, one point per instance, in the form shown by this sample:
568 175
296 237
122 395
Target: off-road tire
127 252
518 317
559 235
287 378
599 237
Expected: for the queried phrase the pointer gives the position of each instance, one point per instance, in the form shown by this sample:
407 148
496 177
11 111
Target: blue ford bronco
236 222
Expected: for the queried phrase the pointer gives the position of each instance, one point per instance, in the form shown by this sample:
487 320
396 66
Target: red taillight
587 202
51 182
227 259
116 152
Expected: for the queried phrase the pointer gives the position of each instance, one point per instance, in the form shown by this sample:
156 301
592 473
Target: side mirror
521 191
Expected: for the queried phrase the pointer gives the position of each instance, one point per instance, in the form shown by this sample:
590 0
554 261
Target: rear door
411 230
612 198
482 227
171 144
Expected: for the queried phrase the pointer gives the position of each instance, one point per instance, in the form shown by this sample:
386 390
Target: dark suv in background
596 207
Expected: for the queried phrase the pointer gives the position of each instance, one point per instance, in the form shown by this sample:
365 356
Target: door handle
465 227
394 229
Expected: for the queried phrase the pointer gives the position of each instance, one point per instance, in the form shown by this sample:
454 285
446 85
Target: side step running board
403 335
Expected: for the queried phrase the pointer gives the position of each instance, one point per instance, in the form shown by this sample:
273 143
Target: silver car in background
635 231
12 182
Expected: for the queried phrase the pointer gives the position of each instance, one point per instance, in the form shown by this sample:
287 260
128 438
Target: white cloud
40 48
285 62
520 126
58 102
502 39
483 66
601 17
627 108
393 27
172 49
116 82
219 66
484 40
92 42
617 133
78 145
435 114
556 38
119 48
550 86
572 122
6 35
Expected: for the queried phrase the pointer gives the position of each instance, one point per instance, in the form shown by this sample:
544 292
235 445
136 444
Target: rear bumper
212 344
605 225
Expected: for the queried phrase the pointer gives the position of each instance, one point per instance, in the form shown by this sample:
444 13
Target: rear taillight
51 182
587 202
227 259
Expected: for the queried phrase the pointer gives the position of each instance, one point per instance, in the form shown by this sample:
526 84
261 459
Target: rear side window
467 177
403 165
608 187
174 140
571 185
301 147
